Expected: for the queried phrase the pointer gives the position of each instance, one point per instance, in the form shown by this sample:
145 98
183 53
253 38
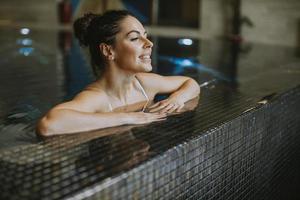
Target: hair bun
81 26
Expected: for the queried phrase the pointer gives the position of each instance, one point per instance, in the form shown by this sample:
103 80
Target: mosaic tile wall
247 157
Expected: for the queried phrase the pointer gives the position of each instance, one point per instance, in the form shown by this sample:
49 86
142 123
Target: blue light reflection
25 42
182 63
26 51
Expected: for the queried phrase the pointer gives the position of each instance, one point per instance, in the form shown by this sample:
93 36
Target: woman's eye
133 39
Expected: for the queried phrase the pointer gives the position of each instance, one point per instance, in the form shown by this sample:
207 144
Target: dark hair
94 29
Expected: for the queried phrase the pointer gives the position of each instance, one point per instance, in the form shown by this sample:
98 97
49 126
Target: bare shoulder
156 79
90 96
148 75
88 100
161 84
150 79
150 82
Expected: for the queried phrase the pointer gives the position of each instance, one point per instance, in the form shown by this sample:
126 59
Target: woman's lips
145 57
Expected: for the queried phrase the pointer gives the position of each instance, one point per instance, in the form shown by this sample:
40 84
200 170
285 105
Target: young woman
121 58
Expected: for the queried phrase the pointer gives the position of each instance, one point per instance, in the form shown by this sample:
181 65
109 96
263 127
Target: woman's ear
107 51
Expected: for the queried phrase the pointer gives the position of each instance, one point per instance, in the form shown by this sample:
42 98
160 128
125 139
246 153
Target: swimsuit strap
142 89
110 106
144 93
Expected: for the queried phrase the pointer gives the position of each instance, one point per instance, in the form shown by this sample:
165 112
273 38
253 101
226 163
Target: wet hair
93 29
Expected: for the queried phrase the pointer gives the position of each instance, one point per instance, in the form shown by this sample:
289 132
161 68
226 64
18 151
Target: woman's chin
148 68
144 67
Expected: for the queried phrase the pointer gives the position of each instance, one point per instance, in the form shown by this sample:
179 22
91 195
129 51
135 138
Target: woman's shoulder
93 97
149 79
150 82
90 94
146 75
92 90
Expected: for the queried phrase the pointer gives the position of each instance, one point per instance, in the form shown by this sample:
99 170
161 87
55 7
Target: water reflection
76 67
105 154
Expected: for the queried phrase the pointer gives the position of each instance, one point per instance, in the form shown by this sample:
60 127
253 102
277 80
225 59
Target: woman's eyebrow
135 31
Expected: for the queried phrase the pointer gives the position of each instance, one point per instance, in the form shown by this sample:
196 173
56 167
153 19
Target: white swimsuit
144 93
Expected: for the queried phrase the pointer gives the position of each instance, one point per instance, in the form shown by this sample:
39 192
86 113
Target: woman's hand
144 118
167 106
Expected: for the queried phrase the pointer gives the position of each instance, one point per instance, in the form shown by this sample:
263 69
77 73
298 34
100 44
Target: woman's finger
155 117
172 109
179 108
162 102
154 105
160 115
158 108
168 107
157 104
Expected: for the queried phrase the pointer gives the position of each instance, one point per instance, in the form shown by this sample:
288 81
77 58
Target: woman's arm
180 88
80 115
63 121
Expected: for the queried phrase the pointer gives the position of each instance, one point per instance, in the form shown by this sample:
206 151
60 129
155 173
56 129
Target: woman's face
132 50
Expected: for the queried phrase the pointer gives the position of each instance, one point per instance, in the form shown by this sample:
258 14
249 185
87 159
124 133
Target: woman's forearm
63 121
189 90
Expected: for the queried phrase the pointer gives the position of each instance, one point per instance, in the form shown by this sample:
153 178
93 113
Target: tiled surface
243 158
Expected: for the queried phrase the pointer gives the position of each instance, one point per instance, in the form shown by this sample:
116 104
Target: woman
120 50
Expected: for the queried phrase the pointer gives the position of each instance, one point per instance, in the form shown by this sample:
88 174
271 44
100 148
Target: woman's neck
117 82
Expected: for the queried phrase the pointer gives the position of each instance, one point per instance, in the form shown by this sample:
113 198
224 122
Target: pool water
43 68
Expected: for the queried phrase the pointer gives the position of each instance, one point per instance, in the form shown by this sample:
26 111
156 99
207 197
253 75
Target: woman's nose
148 43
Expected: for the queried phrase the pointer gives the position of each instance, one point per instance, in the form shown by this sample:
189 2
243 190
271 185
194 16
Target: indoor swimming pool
42 68
242 131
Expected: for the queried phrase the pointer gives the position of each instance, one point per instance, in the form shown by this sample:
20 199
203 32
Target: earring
110 57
